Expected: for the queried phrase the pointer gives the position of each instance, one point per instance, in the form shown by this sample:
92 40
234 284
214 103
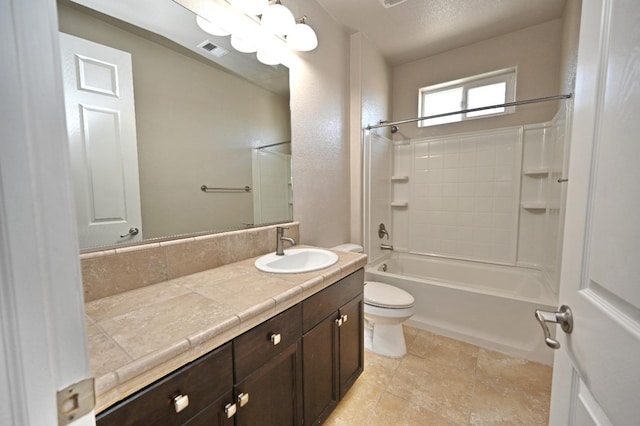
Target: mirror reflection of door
99 104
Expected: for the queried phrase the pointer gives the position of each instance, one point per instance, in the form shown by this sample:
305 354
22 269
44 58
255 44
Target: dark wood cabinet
332 345
268 368
205 382
289 370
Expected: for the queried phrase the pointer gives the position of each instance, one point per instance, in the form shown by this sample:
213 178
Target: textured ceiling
417 29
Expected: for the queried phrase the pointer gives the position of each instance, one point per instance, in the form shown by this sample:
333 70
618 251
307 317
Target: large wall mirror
221 121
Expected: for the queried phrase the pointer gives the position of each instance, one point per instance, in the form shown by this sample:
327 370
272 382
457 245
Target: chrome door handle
564 317
131 233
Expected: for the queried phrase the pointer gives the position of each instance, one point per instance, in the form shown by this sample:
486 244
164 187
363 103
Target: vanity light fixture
243 44
277 19
210 27
302 37
250 7
265 26
267 58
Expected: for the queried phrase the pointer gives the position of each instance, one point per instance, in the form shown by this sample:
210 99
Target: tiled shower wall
491 196
464 195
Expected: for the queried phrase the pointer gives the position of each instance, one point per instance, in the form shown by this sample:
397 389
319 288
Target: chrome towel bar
205 188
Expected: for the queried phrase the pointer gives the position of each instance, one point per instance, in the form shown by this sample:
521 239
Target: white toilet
385 309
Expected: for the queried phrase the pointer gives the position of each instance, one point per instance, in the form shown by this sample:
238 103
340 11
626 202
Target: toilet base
385 339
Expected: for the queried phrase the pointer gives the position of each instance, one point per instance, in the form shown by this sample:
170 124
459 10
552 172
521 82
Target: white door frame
43 345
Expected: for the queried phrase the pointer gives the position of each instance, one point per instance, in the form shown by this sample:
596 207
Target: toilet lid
386 296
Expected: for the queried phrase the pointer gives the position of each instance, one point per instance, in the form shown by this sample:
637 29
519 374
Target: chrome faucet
386 247
280 238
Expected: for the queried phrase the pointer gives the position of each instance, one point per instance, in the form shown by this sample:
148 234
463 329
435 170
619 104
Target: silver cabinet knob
180 402
230 410
275 338
243 399
342 320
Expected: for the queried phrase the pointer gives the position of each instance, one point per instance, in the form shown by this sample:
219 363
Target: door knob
564 317
131 233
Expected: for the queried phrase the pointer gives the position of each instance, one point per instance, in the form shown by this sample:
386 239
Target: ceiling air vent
215 50
390 3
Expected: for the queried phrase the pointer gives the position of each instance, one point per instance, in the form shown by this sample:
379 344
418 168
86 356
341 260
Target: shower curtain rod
508 104
273 144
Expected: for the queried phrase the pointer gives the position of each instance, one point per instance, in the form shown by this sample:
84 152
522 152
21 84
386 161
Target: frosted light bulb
210 27
302 38
242 45
278 19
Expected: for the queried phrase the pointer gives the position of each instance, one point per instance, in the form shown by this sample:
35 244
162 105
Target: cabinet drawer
322 304
203 381
255 347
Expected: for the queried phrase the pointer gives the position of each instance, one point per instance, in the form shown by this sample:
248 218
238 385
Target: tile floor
442 381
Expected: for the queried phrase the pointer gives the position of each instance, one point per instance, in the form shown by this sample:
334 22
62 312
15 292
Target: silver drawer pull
339 321
275 338
180 402
344 318
243 399
230 410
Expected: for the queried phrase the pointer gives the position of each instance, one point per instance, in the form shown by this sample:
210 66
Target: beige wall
535 51
319 116
370 93
569 51
196 124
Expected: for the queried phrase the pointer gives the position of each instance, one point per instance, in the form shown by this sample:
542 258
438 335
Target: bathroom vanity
287 359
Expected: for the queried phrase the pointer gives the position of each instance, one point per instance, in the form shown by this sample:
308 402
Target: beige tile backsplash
110 272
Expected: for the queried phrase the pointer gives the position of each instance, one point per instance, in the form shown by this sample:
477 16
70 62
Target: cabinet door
351 343
214 414
320 361
273 392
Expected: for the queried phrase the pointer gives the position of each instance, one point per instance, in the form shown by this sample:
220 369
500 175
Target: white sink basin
296 261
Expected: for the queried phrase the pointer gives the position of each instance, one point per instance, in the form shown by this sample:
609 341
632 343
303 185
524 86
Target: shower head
394 128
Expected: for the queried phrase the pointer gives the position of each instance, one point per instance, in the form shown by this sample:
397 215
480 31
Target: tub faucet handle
382 231
386 247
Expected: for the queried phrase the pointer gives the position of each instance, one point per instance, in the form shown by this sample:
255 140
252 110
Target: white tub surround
488 305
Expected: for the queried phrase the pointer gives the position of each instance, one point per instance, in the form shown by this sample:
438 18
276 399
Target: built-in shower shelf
536 172
534 205
399 178
399 204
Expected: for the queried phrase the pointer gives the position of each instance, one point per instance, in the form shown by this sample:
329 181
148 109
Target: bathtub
488 305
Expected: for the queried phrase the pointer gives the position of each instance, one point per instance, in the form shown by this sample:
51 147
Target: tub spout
386 247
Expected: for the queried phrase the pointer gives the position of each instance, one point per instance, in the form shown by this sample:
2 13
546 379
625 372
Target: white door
597 368
98 86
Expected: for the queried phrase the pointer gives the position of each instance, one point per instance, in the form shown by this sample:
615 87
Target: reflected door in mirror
99 104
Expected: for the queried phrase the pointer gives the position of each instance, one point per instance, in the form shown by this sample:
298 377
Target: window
473 92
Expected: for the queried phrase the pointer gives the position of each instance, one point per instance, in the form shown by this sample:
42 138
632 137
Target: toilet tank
353 248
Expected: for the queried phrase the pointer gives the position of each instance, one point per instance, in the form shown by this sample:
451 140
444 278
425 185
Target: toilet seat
386 296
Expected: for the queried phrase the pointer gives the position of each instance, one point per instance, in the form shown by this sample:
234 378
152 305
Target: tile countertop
142 335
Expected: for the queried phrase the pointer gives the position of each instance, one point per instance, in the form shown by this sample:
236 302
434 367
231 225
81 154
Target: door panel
597 369
98 86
